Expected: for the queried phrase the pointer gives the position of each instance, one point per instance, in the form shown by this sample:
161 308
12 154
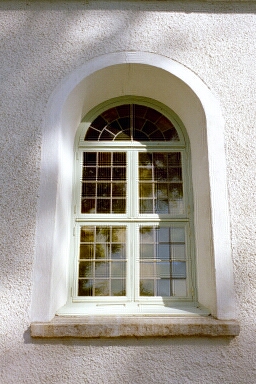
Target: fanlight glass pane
161 266
102 261
103 187
131 122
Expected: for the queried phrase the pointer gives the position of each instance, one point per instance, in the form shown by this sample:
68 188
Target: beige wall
42 43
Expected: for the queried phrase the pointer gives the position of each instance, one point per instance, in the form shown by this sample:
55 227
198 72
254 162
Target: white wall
43 43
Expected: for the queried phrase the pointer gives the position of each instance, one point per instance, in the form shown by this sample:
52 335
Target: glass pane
98 123
118 205
163 287
85 287
88 206
119 158
103 234
104 159
147 234
101 251
118 234
162 258
174 159
103 206
85 269
145 159
88 189
160 160
92 134
175 174
104 173
145 173
149 128
101 287
178 251
110 114
179 270
146 190
86 251
89 173
146 206
119 173
161 190
118 269
87 234
163 251
162 206
102 260
147 251
160 176
179 288
146 287
164 234
103 189
117 251
119 189
107 135
175 191
147 270
101 269
90 158
163 270
178 235
118 287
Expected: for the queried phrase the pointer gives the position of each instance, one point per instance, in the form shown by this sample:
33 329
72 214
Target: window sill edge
133 326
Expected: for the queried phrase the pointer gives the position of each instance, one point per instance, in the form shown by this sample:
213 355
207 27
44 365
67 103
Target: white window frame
78 305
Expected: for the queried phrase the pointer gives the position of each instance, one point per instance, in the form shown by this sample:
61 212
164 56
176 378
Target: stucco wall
42 43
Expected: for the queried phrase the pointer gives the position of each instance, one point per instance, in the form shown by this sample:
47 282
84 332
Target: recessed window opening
132 219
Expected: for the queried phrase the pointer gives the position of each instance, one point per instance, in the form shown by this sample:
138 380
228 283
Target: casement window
137 244
133 232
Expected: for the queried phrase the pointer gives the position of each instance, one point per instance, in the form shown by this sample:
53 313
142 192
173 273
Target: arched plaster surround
162 79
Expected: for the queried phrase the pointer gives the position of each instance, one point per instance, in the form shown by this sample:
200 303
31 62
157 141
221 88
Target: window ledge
133 326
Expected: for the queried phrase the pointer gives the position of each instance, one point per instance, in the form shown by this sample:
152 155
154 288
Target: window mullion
132 185
132 213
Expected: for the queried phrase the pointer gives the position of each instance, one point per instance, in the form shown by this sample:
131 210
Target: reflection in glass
146 206
103 178
101 287
163 287
132 122
179 270
162 259
160 178
118 205
102 262
146 287
118 287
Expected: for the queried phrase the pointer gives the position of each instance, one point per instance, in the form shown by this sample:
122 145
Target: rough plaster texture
41 43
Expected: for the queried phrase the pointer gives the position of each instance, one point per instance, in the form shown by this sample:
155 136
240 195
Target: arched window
133 231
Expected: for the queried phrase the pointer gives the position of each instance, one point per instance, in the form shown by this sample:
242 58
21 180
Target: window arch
133 249
178 88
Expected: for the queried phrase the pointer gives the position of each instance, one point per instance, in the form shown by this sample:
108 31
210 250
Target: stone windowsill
133 326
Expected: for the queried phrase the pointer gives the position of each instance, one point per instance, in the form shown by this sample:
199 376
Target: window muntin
138 187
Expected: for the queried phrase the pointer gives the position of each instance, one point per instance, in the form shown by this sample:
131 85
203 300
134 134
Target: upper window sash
135 188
